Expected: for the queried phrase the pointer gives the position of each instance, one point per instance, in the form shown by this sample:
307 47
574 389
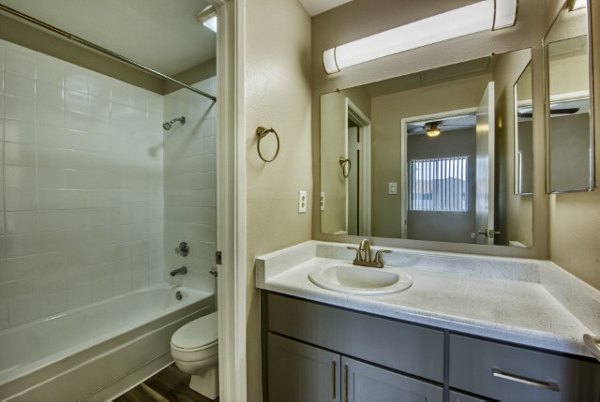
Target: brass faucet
363 255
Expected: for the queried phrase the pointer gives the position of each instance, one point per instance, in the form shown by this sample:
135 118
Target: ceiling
316 7
161 34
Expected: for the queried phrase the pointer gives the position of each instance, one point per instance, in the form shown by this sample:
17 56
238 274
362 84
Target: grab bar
593 344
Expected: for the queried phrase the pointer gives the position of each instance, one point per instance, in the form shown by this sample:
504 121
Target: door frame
231 200
353 112
404 157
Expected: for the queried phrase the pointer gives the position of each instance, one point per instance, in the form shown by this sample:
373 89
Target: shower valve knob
183 249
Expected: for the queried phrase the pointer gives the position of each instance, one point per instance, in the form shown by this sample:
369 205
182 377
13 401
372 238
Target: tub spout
179 271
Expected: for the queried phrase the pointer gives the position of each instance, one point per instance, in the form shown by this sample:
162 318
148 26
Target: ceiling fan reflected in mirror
434 128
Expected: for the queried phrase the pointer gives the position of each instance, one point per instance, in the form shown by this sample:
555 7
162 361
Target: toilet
194 348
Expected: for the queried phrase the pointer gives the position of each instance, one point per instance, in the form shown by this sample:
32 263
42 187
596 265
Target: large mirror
570 132
431 155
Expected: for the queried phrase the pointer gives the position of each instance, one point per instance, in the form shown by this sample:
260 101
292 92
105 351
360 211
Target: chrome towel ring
262 132
346 165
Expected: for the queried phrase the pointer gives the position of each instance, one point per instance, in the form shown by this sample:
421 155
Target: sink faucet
179 271
363 255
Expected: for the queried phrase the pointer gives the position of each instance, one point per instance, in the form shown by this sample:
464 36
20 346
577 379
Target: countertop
529 302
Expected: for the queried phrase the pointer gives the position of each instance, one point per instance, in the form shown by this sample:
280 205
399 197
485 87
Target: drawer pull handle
346 383
593 344
524 380
333 382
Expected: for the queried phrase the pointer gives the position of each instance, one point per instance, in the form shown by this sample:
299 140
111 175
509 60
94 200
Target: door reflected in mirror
429 155
570 134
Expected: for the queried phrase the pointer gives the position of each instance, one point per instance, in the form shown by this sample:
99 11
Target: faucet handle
378 256
357 252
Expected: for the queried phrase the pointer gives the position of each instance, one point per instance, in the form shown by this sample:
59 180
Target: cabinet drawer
514 374
397 345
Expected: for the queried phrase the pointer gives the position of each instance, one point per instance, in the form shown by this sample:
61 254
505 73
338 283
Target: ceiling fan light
433 131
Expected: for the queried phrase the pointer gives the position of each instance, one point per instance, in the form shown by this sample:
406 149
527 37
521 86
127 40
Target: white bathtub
96 351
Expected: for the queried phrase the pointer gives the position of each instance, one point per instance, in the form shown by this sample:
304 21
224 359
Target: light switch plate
322 200
392 188
302 201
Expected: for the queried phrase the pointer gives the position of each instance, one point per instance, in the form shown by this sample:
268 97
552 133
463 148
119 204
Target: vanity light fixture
208 17
575 4
478 17
433 130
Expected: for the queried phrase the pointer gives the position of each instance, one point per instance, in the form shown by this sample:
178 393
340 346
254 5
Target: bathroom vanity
469 329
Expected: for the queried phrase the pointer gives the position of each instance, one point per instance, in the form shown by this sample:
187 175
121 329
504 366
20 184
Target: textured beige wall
277 95
575 218
514 212
360 18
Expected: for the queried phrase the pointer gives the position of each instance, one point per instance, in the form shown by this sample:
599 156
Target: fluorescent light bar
477 17
208 18
575 4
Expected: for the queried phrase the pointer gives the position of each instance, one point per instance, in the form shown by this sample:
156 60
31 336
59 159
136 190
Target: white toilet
194 348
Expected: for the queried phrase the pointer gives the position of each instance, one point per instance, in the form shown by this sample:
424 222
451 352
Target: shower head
169 124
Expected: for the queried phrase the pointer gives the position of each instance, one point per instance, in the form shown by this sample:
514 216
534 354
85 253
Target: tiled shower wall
81 186
190 185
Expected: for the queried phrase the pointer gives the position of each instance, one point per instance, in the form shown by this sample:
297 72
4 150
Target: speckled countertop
529 302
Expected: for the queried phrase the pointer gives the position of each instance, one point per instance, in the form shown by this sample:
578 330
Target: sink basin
360 280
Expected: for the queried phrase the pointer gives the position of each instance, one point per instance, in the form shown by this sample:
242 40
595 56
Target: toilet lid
195 334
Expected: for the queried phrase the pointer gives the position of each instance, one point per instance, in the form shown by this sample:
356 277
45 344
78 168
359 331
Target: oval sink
360 280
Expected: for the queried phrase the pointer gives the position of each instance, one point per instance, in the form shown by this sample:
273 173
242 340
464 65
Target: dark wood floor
168 385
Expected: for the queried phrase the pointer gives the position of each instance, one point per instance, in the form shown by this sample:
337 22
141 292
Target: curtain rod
101 49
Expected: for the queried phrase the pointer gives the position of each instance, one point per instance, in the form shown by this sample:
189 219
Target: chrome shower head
169 124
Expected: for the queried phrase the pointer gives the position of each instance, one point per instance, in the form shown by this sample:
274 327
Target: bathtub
97 351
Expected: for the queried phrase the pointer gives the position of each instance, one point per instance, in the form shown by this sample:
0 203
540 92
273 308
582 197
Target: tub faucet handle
183 249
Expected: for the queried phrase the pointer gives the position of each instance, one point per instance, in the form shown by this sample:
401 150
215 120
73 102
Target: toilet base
206 383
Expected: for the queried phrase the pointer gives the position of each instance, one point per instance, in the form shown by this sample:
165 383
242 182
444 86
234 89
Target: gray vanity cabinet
298 372
316 352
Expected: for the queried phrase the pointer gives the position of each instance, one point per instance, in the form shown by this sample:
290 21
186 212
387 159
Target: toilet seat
199 334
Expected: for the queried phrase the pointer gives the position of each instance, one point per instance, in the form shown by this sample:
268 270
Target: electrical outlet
392 188
302 201
322 201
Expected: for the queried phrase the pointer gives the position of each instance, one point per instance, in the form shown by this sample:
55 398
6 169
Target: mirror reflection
570 134
524 134
430 155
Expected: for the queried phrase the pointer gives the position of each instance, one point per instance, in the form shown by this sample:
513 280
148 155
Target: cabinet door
301 373
365 383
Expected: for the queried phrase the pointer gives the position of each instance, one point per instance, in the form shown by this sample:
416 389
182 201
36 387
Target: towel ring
261 133
346 165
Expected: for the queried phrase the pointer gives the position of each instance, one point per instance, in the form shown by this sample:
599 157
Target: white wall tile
16 85
19 61
19 108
